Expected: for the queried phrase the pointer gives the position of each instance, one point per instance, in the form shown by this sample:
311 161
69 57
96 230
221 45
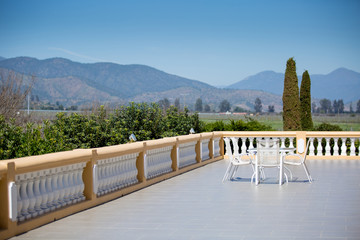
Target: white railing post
336 147
343 147
311 147
319 147
327 147
282 142
291 139
352 147
251 139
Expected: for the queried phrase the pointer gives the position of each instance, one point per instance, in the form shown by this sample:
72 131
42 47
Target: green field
348 122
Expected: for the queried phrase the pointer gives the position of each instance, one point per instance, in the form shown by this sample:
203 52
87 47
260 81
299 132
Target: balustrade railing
36 190
323 145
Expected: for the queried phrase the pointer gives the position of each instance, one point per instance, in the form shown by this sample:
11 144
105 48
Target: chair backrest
268 152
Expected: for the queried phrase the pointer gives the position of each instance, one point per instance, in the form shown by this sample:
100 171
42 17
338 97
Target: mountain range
341 83
73 83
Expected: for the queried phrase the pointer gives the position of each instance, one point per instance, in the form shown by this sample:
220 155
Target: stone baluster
31 196
319 147
57 188
66 185
291 139
19 198
251 139
51 188
80 194
118 162
61 188
343 147
37 194
44 193
78 181
336 147
283 142
72 186
311 147
352 147
327 147
243 145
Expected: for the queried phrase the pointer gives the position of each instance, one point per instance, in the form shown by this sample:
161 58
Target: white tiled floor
196 205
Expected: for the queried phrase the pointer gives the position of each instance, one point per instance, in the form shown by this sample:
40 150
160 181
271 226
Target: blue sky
217 42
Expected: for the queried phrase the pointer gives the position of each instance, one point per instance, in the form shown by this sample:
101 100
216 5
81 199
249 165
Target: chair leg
234 172
262 173
307 172
288 169
227 172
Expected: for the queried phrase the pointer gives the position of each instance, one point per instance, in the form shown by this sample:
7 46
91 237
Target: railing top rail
206 135
50 160
258 134
158 143
106 152
188 138
334 134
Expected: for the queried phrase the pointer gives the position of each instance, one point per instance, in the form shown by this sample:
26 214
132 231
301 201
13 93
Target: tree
341 105
207 108
271 109
336 106
198 105
164 104
305 102
258 105
224 106
351 108
177 103
325 105
239 109
358 106
13 92
291 101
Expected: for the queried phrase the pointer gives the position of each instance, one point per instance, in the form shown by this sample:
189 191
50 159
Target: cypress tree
305 102
291 101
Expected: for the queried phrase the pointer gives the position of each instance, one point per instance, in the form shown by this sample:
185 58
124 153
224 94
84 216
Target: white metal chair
268 155
298 161
235 158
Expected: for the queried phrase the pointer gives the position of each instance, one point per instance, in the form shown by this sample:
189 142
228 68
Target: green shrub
327 127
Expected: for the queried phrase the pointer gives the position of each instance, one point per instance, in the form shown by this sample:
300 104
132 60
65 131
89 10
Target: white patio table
283 152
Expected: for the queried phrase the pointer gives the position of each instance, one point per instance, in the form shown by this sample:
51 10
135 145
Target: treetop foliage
305 102
67 132
291 101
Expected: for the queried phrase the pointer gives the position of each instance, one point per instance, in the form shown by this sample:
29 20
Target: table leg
256 170
281 170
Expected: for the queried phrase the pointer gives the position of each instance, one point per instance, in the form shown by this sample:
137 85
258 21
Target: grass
348 122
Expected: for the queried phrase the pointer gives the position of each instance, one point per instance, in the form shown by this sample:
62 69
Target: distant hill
2 58
72 83
121 81
339 84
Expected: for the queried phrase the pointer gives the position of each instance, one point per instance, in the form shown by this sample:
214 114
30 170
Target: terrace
189 204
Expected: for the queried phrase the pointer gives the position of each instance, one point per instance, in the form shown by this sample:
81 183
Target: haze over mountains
339 84
67 82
